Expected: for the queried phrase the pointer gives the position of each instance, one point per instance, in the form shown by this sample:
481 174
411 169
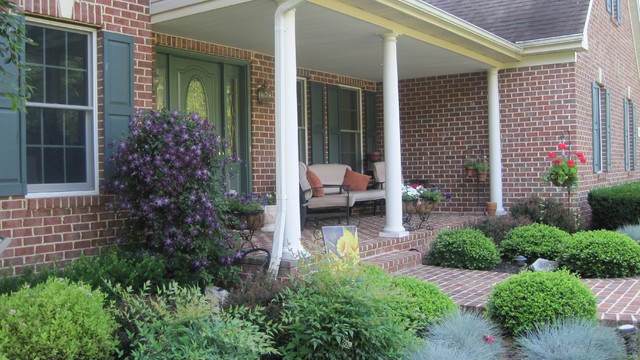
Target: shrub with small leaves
530 208
57 319
463 248
531 298
170 176
572 339
497 227
461 336
432 303
601 254
534 241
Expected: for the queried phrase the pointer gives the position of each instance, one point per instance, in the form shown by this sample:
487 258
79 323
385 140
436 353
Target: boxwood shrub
57 319
496 228
463 248
615 206
533 241
601 254
531 298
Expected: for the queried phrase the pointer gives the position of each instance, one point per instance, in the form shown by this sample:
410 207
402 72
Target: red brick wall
62 228
610 49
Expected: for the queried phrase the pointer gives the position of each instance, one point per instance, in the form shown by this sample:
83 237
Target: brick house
502 80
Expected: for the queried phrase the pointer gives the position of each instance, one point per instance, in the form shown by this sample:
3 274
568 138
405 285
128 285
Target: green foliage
462 336
464 248
632 231
338 311
14 36
572 339
530 208
615 206
601 254
181 323
432 303
29 278
497 227
549 211
530 298
534 241
57 319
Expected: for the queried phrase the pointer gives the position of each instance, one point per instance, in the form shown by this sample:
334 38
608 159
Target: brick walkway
618 299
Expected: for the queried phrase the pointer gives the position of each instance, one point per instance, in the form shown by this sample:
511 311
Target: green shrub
534 241
572 339
181 323
615 206
339 311
464 248
462 336
29 276
57 319
530 208
601 254
530 298
432 303
555 213
497 227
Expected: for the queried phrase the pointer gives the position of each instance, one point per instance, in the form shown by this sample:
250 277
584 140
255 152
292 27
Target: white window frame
359 101
90 187
305 140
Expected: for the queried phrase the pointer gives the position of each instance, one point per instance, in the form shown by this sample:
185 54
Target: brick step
379 246
395 261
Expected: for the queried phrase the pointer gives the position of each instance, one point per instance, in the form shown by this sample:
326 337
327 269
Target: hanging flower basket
417 206
482 176
248 220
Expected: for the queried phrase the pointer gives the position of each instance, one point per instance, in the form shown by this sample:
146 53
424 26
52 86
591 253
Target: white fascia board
634 12
165 10
576 42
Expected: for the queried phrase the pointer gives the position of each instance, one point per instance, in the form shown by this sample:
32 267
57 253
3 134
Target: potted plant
417 199
470 167
270 213
564 167
245 211
483 169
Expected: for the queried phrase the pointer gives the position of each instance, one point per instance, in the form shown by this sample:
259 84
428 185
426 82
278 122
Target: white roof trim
576 42
164 10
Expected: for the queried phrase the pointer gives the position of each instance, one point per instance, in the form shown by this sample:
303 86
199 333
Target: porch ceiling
329 40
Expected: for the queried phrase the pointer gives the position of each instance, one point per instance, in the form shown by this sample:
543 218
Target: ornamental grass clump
601 254
170 174
531 298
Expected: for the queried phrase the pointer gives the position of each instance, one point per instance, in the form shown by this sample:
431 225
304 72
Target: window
301 87
60 113
629 135
614 8
601 129
350 136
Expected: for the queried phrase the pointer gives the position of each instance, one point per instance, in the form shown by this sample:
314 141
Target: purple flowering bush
170 177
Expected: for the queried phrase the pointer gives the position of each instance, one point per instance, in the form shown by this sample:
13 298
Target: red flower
415 186
488 339
581 157
557 162
562 146
552 155
571 163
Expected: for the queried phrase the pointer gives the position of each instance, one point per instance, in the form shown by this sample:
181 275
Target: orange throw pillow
356 181
316 184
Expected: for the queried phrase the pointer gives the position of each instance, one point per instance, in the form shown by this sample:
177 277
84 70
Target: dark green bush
461 336
531 298
181 323
497 227
57 319
464 248
29 276
572 339
548 211
530 208
601 254
339 311
432 303
534 241
615 206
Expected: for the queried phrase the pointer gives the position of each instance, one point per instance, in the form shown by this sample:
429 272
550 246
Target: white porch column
393 158
495 148
286 237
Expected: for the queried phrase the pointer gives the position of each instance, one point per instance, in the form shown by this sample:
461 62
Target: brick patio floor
618 299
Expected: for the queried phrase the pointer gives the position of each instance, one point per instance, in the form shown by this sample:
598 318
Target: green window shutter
625 112
333 106
632 143
13 174
118 92
317 123
607 104
370 113
595 115
619 11
609 6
